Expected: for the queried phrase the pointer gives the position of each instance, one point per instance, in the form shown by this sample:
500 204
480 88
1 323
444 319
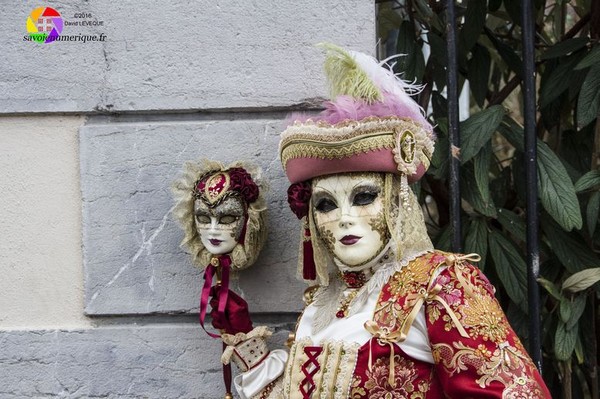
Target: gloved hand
236 317
246 350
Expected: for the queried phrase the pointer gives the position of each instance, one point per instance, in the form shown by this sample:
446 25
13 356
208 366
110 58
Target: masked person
387 316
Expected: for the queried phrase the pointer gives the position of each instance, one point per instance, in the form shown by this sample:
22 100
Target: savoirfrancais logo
44 25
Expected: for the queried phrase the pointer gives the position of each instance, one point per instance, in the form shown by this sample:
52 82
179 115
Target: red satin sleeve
491 362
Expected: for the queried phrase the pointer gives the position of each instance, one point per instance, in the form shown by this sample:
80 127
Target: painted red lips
350 240
215 242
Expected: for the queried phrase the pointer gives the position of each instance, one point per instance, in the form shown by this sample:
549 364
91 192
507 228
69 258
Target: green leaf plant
492 159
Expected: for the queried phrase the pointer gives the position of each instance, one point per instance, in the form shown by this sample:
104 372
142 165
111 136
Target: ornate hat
371 124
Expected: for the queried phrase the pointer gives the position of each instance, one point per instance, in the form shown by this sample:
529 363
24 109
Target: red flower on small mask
241 182
299 197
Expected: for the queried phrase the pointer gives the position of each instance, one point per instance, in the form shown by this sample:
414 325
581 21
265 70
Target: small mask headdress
371 124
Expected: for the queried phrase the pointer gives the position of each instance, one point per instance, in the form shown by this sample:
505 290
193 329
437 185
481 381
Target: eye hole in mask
364 198
203 219
325 205
228 219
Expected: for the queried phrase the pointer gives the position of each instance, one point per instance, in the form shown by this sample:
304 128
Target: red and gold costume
395 319
475 353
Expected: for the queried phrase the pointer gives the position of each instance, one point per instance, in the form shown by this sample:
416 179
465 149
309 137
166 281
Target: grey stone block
179 55
132 260
154 361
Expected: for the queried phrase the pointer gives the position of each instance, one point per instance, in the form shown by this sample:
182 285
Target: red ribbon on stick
223 262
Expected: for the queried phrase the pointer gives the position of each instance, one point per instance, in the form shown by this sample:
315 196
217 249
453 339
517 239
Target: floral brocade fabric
413 379
476 352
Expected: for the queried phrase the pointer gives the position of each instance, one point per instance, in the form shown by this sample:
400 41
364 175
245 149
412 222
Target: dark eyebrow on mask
365 187
320 193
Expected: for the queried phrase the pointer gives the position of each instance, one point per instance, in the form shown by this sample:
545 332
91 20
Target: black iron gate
533 259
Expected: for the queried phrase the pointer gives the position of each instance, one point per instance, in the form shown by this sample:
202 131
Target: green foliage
582 280
477 131
588 181
492 158
510 267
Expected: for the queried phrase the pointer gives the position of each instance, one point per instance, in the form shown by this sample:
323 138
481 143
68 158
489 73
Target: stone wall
96 297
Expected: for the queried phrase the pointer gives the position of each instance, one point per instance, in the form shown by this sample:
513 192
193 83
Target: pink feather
396 98
345 108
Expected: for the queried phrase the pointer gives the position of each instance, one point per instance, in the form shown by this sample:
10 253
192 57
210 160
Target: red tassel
309 270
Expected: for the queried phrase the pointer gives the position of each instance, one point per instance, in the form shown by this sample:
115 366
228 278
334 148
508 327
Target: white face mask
220 227
348 211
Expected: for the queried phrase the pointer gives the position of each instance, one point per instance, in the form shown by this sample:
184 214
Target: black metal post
453 130
533 257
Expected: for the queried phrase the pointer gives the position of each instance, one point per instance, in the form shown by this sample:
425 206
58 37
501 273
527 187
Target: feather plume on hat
370 124
360 86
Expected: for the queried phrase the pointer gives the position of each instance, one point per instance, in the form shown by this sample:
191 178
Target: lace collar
327 298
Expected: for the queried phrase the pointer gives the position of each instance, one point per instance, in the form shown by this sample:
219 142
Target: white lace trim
287 379
326 301
327 298
346 367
